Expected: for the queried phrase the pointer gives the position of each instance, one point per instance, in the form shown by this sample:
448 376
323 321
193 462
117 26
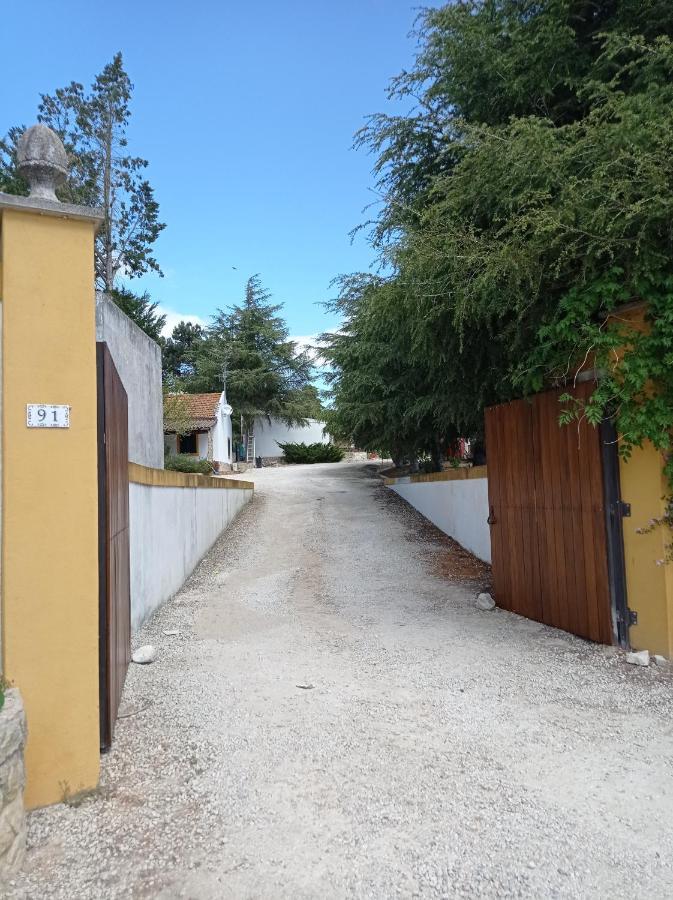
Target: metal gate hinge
632 616
625 509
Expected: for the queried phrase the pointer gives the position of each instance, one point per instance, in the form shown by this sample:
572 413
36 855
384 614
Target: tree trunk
108 277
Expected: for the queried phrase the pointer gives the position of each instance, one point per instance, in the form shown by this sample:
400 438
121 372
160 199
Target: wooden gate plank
561 472
511 531
549 547
115 589
500 566
523 497
554 598
583 602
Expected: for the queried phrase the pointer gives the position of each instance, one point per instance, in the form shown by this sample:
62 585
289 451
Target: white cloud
308 342
174 318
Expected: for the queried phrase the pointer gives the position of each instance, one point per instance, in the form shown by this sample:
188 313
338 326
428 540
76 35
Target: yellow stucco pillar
649 585
49 489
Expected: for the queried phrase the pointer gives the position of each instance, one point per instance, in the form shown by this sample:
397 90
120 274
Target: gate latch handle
491 517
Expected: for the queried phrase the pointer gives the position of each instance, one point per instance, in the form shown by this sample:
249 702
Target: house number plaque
47 415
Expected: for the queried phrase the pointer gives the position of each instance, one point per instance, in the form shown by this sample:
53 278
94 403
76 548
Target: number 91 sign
47 415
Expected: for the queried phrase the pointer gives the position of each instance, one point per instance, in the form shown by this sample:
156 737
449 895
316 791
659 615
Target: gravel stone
485 602
434 760
144 655
638 658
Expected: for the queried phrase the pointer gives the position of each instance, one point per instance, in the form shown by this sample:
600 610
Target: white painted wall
221 431
267 435
137 359
458 508
171 530
202 445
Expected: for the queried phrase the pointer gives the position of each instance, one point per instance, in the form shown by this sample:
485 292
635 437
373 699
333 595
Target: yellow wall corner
649 582
49 502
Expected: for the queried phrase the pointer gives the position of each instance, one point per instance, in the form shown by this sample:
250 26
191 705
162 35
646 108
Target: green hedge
311 453
185 462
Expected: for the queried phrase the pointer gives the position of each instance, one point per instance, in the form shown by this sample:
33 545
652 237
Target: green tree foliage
141 309
93 127
249 346
178 350
185 462
380 389
311 453
10 180
177 417
525 197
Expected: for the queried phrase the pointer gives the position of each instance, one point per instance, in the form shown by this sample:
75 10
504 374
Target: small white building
269 433
210 435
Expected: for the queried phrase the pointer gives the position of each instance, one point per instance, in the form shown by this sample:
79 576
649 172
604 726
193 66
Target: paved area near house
336 719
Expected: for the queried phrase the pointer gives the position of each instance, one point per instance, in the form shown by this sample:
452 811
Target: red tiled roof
202 408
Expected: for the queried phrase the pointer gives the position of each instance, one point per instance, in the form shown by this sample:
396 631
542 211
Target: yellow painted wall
649 586
49 483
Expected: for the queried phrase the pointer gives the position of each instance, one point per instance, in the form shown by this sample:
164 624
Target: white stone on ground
144 655
638 658
485 602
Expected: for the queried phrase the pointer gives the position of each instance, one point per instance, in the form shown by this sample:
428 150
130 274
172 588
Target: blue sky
246 113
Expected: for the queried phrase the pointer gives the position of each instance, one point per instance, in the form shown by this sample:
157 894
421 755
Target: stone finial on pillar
42 161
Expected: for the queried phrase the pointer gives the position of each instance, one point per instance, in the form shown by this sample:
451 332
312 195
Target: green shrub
311 453
185 462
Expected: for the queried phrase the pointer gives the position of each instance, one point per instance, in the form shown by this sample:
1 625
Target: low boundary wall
174 520
456 501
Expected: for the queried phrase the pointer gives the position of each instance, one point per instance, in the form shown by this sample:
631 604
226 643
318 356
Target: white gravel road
336 720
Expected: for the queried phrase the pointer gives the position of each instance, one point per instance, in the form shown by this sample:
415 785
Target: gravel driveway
336 719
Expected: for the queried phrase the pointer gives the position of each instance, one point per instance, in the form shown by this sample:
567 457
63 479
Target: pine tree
179 348
93 127
249 346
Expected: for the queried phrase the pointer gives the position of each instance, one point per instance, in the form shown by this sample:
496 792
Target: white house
267 434
210 435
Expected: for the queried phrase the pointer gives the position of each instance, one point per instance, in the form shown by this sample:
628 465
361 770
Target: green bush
311 453
185 462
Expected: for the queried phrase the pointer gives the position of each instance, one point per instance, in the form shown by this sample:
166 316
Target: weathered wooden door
547 516
113 541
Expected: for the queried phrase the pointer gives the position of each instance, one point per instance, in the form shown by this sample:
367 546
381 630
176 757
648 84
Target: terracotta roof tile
200 407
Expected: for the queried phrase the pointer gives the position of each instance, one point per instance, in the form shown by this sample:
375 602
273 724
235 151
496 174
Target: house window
187 443
229 449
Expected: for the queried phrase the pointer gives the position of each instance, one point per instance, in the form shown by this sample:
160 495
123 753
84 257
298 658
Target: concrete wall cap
42 161
51 208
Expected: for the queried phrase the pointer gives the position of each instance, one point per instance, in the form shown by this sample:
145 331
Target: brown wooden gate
113 541
547 515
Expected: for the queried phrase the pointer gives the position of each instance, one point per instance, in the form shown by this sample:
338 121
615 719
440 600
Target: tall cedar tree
93 127
265 374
